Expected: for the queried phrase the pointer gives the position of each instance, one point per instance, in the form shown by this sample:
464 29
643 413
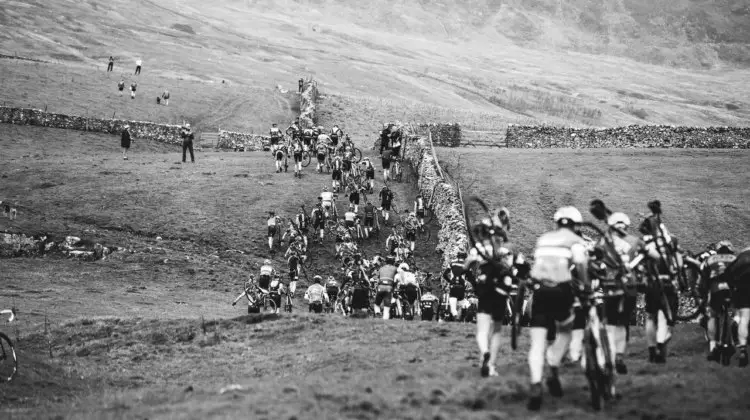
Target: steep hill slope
498 61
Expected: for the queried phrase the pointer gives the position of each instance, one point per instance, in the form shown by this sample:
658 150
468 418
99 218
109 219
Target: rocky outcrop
21 245
629 137
446 204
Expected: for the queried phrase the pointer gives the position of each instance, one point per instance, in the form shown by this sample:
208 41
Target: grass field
703 192
149 332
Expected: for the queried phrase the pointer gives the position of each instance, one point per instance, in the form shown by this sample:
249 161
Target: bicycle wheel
607 374
288 304
516 314
592 370
356 155
269 306
689 305
306 158
8 360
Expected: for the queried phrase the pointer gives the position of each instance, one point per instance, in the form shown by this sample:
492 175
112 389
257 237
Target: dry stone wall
139 129
443 134
308 98
629 137
242 141
446 204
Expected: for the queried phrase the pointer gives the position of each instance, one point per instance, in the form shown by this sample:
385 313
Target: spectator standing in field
301 84
165 96
138 63
121 86
133 86
187 142
125 141
111 64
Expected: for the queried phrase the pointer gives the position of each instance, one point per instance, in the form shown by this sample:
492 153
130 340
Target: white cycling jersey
327 197
350 216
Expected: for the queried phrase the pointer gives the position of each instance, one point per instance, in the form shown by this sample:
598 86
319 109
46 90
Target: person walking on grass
111 64
133 86
187 142
138 63
121 86
165 96
125 141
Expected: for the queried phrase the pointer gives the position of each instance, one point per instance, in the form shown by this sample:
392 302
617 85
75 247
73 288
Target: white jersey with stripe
554 255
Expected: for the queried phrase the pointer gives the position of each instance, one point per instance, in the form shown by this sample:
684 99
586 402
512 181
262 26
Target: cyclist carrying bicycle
275 290
620 301
661 284
293 130
552 305
275 134
369 174
321 149
332 288
346 166
336 172
411 224
386 157
353 190
294 258
318 219
273 224
278 151
386 200
303 222
715 287
454 278
267 273
336 134
369 221
493 261
386 285
316 295
328 201
419 208
738 276
408 283
297 150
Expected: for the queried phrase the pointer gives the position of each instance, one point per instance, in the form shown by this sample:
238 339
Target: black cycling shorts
411 235
386 163
369 221
271 231
370 174
458 293
420 213
619 309
386 205
316 307
655 302
384 297
360 298
298 157
411 293
336 174
321 157
552 304
354 198
492 303
279 155
264 281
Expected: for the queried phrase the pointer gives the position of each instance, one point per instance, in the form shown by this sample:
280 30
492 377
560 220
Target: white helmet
568 213
618 218
404 267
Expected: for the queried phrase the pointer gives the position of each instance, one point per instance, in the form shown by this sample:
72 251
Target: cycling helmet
267 262
274 124
618 218
317 279
724 247
404 267
567 215
271 212
351 206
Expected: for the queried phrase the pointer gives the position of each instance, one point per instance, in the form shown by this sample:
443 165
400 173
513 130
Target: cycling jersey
350 216
321 148
275 286
716 265
407 278
315 293
323 138
555 252
386 275
266 270
369 211
272 221
327 197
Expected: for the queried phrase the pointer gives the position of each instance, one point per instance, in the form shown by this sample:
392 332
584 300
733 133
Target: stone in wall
446 205
443 134
634 136
242 141
308 98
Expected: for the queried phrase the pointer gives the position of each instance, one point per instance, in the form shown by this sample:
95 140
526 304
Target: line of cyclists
574 272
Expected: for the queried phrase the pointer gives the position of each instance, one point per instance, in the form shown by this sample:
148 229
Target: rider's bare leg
270 242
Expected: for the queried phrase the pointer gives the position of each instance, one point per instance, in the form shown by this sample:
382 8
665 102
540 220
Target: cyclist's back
554 254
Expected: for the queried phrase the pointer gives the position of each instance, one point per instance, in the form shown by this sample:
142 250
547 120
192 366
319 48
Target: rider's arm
580 259
239 297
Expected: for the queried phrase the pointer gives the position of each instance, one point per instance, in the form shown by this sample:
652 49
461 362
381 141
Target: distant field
704 193
89 91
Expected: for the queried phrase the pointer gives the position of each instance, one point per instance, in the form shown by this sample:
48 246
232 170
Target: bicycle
257 298
288 305
397 171
8 358
597 353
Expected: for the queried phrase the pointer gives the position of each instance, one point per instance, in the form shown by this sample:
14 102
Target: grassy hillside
703 192
497 62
